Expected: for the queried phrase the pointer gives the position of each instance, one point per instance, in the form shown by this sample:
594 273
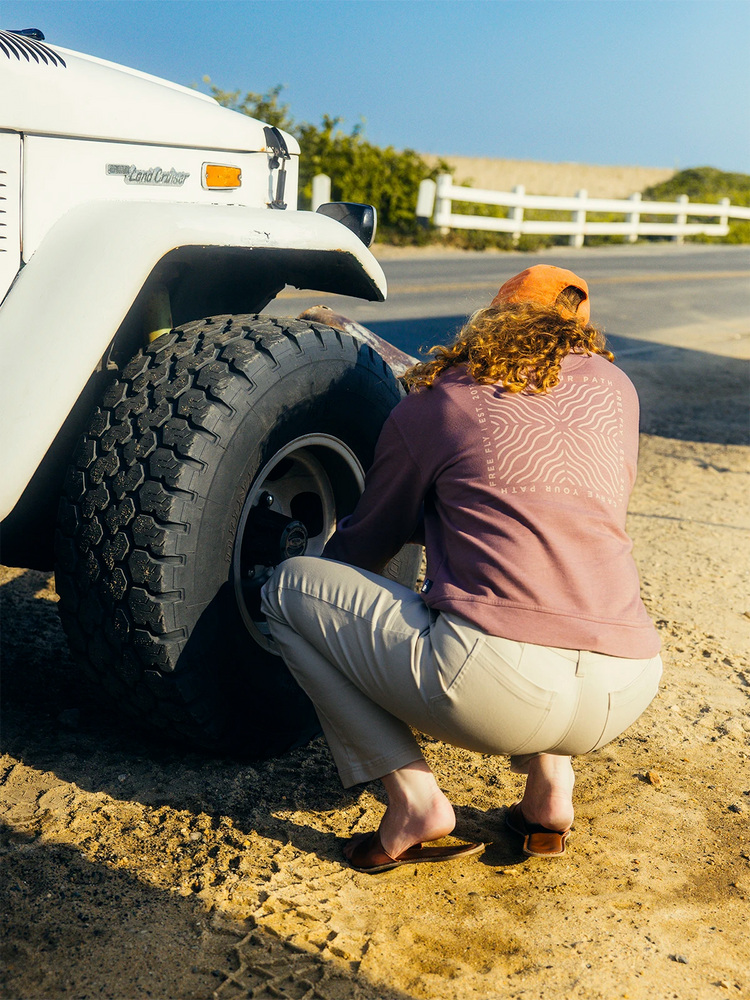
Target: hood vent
23 47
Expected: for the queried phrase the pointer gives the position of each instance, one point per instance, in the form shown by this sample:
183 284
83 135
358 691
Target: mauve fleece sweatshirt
524 499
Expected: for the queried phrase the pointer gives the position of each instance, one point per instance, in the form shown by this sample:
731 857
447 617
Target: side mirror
361 219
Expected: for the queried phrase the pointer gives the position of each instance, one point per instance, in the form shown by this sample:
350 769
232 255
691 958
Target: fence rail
436 200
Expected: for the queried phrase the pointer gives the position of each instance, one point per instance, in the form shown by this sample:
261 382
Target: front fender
74 293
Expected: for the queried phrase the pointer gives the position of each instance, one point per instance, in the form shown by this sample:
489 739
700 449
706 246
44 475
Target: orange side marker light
219 175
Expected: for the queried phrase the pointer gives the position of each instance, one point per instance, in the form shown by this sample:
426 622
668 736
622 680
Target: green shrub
707 185
359 170
363 172
702 184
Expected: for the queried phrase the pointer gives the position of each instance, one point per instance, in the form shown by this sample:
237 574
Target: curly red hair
519 346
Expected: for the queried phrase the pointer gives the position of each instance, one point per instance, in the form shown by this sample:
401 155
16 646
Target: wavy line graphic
571 436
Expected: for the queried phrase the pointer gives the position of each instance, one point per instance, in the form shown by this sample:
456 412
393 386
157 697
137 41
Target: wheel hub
291 509
271 537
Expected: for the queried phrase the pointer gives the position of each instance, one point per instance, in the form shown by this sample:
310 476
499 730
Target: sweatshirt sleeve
389 511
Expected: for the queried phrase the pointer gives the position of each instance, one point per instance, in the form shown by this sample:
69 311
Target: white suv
163 443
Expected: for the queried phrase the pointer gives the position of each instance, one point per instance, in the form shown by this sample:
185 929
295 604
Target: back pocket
490 707
629 703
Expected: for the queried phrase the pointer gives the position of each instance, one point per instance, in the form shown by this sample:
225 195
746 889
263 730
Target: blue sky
646 82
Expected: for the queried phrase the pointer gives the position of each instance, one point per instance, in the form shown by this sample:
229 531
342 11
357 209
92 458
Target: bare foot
417 810
548 796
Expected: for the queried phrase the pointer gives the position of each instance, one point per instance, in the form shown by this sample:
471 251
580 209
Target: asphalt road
677 317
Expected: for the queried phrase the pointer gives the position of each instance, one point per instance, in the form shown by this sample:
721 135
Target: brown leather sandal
538 841
370 856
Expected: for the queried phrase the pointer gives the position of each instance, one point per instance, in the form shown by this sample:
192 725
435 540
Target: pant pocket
490 707
627 704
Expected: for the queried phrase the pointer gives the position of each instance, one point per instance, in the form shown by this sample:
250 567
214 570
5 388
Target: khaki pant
375 660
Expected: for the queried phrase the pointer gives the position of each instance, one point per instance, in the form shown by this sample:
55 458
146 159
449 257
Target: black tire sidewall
197 674
320 393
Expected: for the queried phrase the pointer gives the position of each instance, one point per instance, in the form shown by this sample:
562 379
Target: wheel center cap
293 541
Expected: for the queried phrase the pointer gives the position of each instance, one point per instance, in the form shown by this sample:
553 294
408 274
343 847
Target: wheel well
201 281
211 281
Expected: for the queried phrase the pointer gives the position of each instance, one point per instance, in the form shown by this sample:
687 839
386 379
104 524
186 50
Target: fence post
443 203
425 201
724 219
633 218
516 212
680 220
579 217
321 191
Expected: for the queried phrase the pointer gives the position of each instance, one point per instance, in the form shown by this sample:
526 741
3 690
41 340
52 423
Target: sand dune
553 178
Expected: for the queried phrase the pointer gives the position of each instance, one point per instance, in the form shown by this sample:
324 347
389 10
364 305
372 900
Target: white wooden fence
436 198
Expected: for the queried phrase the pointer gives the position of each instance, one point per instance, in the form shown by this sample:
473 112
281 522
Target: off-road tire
151 505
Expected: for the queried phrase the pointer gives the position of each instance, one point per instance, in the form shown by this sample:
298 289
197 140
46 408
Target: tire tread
124 523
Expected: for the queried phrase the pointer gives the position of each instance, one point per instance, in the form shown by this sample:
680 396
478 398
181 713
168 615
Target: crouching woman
513 458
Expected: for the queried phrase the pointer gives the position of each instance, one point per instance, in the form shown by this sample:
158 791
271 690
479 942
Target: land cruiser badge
154 175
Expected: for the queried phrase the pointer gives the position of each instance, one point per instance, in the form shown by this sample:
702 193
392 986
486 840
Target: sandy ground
552 178
135 869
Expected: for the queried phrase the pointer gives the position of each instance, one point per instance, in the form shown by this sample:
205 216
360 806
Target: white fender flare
68 301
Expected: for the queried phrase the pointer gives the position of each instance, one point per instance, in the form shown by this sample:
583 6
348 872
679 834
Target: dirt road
132 869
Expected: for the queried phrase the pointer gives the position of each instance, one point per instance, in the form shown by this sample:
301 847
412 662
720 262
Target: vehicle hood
48 90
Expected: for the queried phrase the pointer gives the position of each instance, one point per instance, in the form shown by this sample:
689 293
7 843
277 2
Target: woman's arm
389 511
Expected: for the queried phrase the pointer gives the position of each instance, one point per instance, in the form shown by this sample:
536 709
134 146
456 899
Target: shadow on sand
75 926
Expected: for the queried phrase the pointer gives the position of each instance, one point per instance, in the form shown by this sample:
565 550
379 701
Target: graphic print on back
566 442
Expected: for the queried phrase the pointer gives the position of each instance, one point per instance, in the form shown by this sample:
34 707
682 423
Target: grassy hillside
708 185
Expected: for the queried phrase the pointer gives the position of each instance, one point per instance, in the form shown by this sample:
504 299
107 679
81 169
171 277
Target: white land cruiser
163 444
